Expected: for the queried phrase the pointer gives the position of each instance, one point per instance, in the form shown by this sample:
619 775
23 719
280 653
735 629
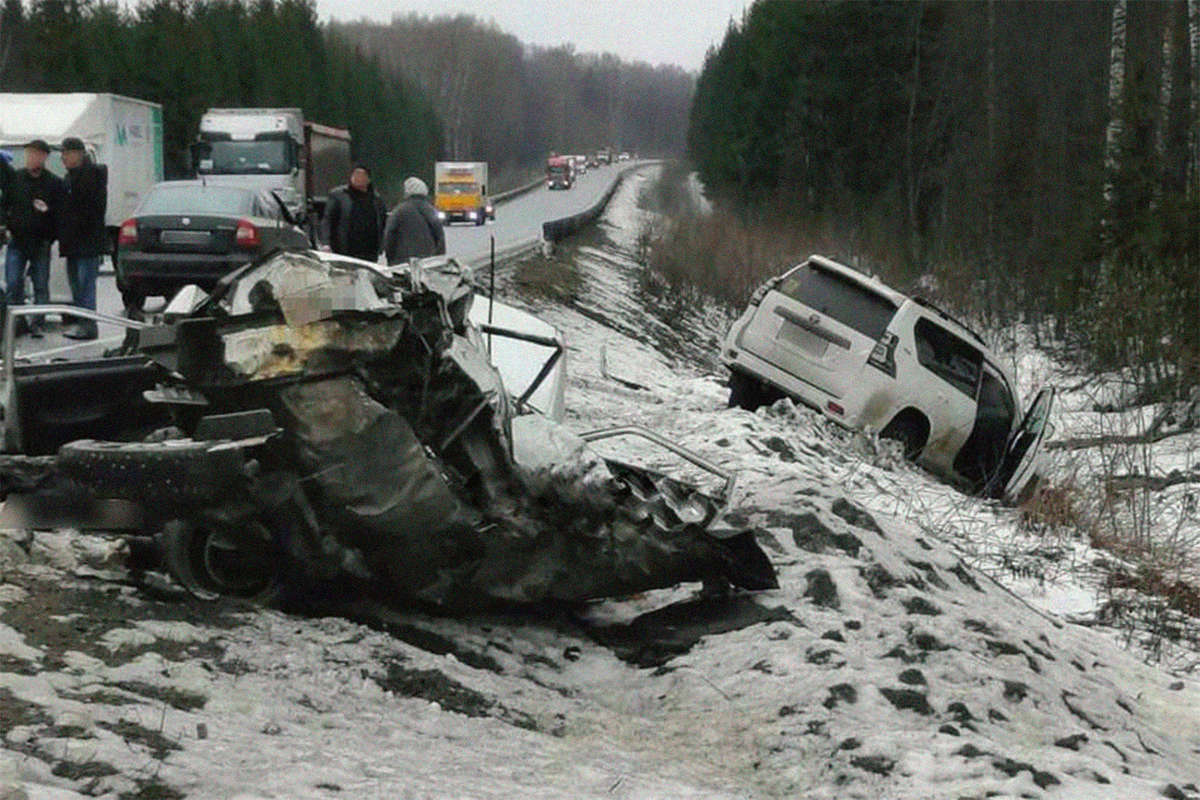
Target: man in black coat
354 218
31 206
413 229
82 238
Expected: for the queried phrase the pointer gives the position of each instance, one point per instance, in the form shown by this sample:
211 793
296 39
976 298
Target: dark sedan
187 232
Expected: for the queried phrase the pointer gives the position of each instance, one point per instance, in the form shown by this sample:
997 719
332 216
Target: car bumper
153 273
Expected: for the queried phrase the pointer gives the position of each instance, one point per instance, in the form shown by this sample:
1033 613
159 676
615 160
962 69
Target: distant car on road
192 232
871 358
623 157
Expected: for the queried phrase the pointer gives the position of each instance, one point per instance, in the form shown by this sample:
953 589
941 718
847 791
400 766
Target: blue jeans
81 274
37 259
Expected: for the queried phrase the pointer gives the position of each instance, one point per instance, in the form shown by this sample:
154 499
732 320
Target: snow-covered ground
892 662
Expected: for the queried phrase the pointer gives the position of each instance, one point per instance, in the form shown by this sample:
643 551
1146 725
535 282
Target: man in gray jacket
413 228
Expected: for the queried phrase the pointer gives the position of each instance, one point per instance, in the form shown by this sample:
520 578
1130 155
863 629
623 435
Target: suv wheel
910 430
745 392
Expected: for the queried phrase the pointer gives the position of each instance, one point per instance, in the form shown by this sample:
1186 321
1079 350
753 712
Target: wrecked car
317 418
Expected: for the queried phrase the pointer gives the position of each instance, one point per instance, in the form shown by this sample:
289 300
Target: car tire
910 431
177 471
211 561
744 392
133 300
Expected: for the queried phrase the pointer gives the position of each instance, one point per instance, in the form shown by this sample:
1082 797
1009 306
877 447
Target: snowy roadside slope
882 667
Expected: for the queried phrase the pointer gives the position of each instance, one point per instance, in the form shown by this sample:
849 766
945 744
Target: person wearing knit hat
413 228
415 187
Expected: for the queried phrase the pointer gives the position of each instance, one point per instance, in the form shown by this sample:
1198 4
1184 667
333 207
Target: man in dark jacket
30 208
354 218
7 175
413 229
82 238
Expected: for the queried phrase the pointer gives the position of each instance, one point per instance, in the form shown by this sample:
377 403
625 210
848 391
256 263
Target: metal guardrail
517 192
555 230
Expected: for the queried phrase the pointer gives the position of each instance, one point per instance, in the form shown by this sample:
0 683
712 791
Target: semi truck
460 192
273 149
560 174
123 133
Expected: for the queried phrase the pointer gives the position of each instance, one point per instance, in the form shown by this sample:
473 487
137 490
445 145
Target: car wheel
910 431
210 560
133 301
177 471
745 392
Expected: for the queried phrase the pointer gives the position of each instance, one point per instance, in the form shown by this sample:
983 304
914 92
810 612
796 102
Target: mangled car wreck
318 418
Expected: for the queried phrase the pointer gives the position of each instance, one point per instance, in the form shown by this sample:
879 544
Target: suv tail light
128 234
761 291
247 234
883 354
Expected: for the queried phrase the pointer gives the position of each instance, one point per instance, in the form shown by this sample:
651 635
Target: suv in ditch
876 360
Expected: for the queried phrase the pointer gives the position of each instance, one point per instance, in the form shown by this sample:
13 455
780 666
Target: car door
1020 459
84 393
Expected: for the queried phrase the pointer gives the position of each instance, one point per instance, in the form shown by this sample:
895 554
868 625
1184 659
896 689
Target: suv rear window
840 298
948 356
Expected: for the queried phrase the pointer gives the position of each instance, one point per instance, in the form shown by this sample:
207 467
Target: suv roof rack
925 302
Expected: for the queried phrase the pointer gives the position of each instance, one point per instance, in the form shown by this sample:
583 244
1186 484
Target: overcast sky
674 32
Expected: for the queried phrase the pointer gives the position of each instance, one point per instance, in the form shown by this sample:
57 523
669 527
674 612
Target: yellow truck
460 192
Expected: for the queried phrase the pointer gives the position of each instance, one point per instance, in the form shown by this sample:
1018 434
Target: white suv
877 360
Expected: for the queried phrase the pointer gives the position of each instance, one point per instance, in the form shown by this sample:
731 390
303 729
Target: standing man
413 229
30 209
354 218
7 175
82 238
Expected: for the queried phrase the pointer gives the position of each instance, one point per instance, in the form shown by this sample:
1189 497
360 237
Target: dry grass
725 254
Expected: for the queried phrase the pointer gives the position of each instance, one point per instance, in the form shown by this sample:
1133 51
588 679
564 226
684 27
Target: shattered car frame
322 419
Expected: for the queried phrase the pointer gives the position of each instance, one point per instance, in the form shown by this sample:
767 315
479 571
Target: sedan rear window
197 200
840 298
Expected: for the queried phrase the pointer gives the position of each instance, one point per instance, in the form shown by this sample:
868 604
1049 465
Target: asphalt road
518 221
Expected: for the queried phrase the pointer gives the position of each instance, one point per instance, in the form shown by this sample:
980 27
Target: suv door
819 326
982 454
1020 460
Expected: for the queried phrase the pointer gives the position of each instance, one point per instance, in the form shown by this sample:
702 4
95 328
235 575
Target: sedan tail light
247 234
128 233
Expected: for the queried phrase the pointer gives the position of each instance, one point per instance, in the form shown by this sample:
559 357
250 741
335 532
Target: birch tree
1194 120
1165 89
1116 127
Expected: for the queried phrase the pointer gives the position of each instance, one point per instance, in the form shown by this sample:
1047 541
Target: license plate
808 343
185 237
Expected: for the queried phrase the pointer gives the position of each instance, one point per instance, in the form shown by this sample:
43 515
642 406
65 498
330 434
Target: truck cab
560 173
460 192
256 148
